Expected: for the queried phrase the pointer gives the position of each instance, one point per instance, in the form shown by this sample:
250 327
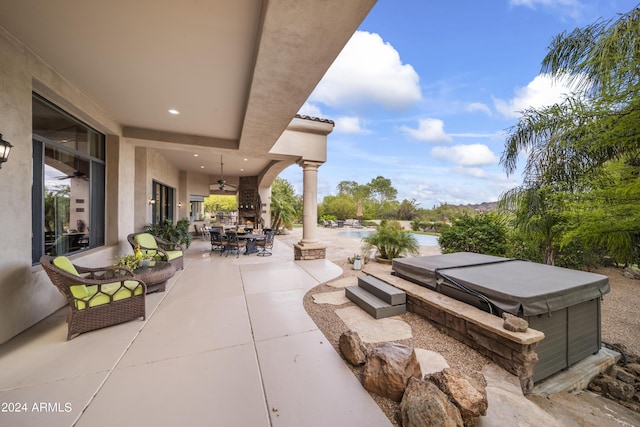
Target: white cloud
466 155
540 92
431 130
572 8
498 135
470 171
351 125
472 107
309 109
368 70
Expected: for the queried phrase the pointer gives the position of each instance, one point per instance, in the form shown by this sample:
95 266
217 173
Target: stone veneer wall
513 351
302 253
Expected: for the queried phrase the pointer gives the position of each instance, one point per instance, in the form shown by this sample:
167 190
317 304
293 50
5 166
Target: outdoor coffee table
155 276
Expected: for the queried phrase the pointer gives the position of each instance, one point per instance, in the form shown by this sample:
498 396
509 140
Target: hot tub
564 304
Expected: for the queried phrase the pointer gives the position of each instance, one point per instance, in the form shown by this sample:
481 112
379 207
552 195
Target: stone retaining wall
513 351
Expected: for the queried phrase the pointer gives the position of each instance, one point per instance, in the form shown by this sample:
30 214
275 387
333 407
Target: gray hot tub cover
515 286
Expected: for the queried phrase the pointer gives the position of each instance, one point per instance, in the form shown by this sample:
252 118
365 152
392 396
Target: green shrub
483 234
391 241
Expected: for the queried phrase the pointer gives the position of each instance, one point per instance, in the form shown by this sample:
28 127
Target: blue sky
424 91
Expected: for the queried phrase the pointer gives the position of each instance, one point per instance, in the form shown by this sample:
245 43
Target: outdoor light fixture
5 148
152 202
179 204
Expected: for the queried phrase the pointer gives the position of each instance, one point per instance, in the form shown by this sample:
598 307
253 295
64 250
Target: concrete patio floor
228 343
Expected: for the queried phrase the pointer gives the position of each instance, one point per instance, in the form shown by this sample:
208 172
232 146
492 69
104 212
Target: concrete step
387 293
373 305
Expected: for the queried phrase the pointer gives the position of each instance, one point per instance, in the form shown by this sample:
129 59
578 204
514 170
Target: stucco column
309 201
309 247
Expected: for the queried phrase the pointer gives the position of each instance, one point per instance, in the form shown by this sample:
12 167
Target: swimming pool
423 239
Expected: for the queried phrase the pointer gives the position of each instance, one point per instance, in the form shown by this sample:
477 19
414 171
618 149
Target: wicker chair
98 297
159 249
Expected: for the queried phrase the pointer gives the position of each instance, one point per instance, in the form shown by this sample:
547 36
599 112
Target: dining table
251 239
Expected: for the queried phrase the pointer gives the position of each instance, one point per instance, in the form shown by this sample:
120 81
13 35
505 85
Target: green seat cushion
117 290
65 264
152 254
173 255
159 256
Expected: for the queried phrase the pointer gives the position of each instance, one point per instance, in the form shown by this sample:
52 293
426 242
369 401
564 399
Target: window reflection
66 207
68 192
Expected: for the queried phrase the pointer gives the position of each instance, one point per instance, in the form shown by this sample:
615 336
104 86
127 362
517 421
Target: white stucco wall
26 294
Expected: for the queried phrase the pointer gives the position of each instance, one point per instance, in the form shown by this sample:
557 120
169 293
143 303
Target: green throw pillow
63 263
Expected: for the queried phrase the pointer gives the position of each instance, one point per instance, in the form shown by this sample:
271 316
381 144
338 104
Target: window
163 205
68 183
196 208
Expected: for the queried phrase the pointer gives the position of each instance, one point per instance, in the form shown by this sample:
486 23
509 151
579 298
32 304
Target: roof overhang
238 71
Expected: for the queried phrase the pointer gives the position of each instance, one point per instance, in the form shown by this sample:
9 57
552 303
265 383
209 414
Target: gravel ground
620 319
425 336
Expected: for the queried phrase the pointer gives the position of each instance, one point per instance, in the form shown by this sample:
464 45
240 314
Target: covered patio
125 115
228 343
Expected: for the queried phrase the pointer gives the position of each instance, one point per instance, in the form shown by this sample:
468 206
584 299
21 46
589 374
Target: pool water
423 239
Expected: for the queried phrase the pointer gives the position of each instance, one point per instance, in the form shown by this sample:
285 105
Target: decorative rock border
484 332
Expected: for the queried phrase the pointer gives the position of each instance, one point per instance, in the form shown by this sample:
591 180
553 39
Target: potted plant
390 242
133 261
178 233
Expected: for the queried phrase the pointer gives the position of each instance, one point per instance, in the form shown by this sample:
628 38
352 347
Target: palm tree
536 216
572 144
283 204
391 241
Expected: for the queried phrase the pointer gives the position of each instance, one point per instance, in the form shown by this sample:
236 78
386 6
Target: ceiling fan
222 184
76 174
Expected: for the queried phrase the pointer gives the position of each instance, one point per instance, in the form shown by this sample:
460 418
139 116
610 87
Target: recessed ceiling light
246 160
195 155
201 167
241 170
174 112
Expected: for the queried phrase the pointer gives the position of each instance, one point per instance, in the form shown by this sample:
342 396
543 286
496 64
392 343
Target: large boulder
424 405
352 348
388 369
467 394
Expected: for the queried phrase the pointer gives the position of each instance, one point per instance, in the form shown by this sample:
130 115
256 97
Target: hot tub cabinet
563 304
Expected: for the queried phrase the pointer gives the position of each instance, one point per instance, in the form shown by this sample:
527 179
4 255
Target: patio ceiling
238 71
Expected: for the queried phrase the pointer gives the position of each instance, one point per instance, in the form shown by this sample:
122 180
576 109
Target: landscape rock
388 369
623 375
424 405
514 323
467 394
352 348
633 367
613 388
631 274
